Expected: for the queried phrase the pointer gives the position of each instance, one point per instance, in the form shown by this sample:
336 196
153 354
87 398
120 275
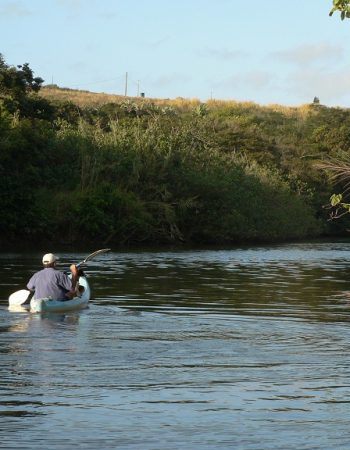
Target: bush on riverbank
143 181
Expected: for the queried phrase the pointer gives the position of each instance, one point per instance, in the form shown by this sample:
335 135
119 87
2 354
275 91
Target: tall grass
166 180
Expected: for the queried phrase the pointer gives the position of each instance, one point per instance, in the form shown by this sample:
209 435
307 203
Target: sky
266 51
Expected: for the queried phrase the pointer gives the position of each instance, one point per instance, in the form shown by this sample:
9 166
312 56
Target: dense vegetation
129 171
343 6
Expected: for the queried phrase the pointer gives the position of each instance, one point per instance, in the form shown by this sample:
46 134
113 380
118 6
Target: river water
247 348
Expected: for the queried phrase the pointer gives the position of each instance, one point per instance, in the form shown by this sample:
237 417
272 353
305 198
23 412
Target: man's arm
75 278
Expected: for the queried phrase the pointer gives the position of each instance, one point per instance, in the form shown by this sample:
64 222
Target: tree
18 80
17 88
343 6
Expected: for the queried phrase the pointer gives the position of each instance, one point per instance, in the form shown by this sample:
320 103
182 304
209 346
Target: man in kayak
51 282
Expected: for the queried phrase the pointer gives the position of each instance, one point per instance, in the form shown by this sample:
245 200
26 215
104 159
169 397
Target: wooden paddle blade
19 297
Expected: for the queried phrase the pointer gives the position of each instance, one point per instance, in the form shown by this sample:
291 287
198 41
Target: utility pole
126 84
138 87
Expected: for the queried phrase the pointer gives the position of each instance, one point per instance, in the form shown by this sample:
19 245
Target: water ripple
244 348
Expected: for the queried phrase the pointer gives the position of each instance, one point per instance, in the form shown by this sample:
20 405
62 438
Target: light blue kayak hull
51 305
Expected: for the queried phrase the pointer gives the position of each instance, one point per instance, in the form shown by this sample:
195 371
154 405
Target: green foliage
237 203
101 215
18 89
338 207
19 177
17 81
336 199
343 6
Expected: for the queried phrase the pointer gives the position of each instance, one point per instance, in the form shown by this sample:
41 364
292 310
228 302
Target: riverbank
43 247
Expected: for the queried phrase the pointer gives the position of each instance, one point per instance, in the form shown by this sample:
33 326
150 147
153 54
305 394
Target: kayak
19 300
58 306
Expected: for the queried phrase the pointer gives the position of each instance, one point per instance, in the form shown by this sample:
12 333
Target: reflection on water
215 349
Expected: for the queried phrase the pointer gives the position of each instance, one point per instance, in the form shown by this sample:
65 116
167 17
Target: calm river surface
209 349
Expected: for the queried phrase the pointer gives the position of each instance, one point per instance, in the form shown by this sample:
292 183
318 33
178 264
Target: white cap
50 258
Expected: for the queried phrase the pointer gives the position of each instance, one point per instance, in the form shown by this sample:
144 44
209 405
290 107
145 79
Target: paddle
20 297
97 252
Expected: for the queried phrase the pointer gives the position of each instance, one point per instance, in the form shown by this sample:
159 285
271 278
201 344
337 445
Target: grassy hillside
87 99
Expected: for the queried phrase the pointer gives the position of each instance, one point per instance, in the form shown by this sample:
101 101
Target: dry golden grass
80 98
94 99
289 111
